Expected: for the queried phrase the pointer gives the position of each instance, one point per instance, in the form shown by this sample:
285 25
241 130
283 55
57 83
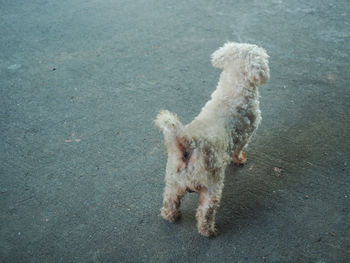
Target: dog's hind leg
208 203
173 193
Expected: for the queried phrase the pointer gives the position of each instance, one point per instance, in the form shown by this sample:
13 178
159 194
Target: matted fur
199 152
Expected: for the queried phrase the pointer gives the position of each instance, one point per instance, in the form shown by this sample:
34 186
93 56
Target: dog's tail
169 124
176 142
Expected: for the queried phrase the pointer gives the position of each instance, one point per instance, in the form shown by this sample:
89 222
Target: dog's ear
224 55
257 66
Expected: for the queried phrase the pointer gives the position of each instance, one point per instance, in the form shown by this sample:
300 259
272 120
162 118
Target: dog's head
253 59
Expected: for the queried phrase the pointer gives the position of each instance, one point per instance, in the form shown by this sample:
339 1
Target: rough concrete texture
82 166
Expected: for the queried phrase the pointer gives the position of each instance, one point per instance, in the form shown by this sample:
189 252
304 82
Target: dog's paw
171 216
239 158
209 232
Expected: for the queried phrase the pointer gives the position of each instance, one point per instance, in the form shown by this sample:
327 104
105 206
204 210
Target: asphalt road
82 166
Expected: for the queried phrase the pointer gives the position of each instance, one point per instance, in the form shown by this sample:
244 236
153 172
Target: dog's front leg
208 203
172 196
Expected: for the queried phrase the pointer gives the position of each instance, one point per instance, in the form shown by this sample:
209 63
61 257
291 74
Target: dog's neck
232 90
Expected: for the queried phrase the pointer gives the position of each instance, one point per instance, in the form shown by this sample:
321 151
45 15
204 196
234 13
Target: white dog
199 152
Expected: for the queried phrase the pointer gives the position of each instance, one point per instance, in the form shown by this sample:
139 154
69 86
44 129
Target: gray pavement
82 167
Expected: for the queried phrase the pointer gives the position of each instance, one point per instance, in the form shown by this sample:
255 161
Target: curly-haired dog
199 152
